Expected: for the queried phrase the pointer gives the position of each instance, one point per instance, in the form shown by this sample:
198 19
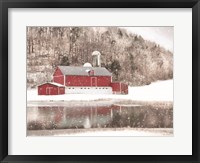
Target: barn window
81 88
91 72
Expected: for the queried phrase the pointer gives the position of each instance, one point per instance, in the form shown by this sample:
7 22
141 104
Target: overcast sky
161 35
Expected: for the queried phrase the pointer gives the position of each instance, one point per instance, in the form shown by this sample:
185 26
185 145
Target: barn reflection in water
113 116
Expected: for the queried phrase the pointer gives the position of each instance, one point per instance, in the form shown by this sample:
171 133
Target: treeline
129 57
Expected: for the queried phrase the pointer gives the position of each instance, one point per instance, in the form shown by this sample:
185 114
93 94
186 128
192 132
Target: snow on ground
104 132
158 91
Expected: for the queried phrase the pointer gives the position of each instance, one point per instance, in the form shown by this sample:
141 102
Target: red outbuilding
119 88
50 88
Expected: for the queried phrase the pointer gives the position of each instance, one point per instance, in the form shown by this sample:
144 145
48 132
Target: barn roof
83 71
56 84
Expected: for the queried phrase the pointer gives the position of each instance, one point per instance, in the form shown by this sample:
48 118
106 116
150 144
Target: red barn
88 80
51 89
82 76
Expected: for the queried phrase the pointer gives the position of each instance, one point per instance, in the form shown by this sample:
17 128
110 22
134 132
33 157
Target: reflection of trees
101 117
137 120
143 118
34 125
117 120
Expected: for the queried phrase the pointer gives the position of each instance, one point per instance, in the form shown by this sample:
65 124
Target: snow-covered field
158 91
104 132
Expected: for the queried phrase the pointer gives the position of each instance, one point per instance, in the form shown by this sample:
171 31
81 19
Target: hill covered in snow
129 57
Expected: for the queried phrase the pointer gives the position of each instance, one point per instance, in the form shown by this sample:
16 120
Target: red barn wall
103 81
58 77
87 81
49 89
116 87
57 72
124 88
61 90
119 88
52 90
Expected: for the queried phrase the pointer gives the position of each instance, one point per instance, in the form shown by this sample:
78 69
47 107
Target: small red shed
51 88
119 88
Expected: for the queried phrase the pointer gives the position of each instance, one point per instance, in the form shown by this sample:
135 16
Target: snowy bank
104 132
158 91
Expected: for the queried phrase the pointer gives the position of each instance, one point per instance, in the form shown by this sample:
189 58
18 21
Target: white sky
164 36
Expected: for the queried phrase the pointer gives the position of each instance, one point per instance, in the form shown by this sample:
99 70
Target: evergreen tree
115 68
65 61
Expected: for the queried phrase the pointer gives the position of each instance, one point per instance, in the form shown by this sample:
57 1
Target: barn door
48 91
94 81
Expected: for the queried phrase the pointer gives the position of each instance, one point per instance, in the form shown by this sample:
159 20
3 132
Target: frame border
6 4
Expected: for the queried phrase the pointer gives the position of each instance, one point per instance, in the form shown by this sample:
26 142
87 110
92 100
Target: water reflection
65 117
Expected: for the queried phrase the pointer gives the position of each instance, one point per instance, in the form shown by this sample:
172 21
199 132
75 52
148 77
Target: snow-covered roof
56 84
83 71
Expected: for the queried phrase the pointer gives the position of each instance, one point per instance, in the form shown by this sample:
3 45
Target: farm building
50 88
119 88
82 76
86 79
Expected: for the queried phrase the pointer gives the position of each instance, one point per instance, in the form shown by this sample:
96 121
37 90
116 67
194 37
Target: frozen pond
98 116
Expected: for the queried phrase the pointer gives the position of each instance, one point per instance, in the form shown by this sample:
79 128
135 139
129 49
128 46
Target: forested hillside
129 57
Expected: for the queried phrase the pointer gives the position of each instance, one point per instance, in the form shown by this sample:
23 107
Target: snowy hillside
158 91
129 57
